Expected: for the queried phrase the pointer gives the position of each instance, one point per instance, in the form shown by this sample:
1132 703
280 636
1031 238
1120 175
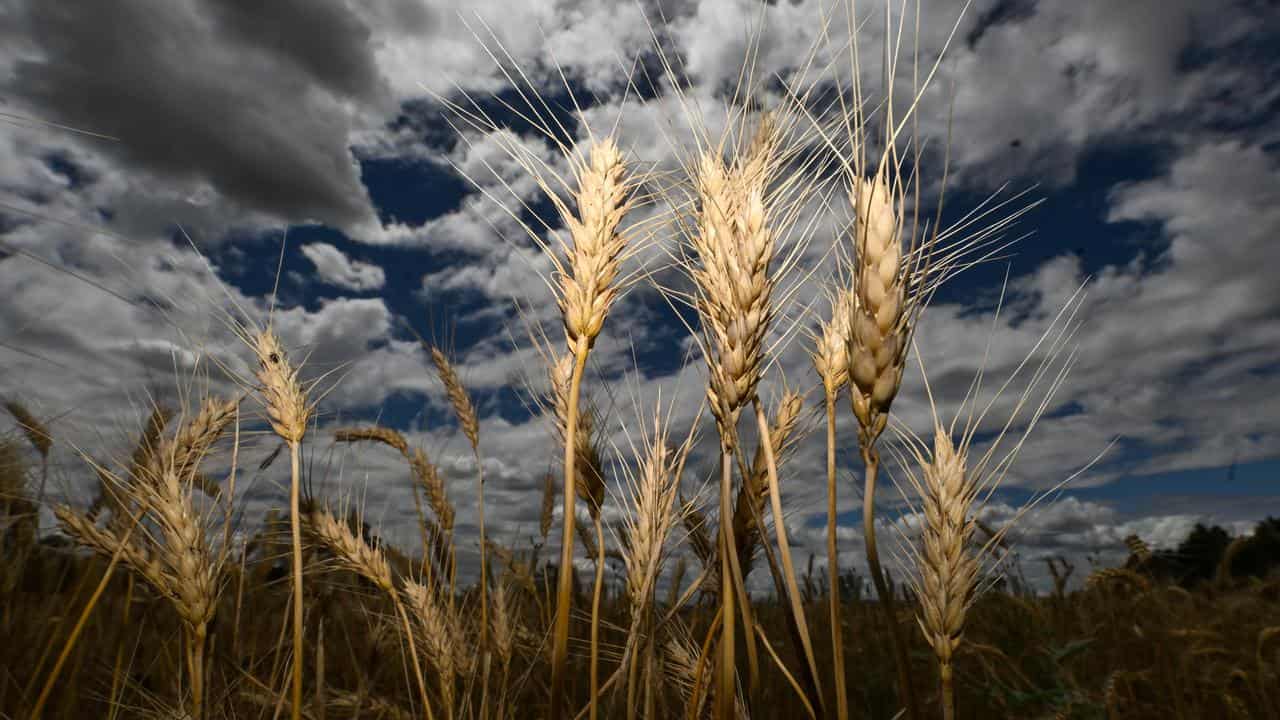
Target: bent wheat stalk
370 562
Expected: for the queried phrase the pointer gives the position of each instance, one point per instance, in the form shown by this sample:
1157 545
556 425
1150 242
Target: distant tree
1260 554
1197 557
1201 552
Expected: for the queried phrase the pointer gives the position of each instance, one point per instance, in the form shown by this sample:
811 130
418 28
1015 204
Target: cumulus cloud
336 268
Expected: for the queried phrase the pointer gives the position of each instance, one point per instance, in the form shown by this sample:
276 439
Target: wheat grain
878 335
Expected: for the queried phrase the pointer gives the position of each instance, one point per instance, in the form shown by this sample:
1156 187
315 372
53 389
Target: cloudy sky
155 157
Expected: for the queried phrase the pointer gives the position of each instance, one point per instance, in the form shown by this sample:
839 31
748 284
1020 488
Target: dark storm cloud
255 105
325 40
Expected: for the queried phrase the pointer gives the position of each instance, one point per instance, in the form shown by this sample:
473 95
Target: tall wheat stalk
586 287
733 246
469 422
288 412
830 360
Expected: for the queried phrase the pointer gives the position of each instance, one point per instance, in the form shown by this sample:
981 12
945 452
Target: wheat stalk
176 559
653 492
465 411
948 568
576 427
831 361
733 245
370 562
288 412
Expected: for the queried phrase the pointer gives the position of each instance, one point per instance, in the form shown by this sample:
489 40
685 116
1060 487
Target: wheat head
604 194
879 330
282 392
948 566
458 397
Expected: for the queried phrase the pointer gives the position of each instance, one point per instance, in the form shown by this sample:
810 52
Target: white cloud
335 268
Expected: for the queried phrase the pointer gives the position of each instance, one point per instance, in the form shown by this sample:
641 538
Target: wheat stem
564 591
725 691
948 693
295 531
833 565
784 550
195 663
871 461
595 619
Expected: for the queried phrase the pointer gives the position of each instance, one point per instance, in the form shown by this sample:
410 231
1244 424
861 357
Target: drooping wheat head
38 435
353 552
34 430
438 631
425 472
288 410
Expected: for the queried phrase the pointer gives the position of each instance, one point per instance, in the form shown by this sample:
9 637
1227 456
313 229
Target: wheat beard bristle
948 568
878 333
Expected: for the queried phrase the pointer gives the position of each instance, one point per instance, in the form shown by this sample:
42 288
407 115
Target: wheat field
636 596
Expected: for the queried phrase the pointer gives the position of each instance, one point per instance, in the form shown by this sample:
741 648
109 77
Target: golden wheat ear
948 484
